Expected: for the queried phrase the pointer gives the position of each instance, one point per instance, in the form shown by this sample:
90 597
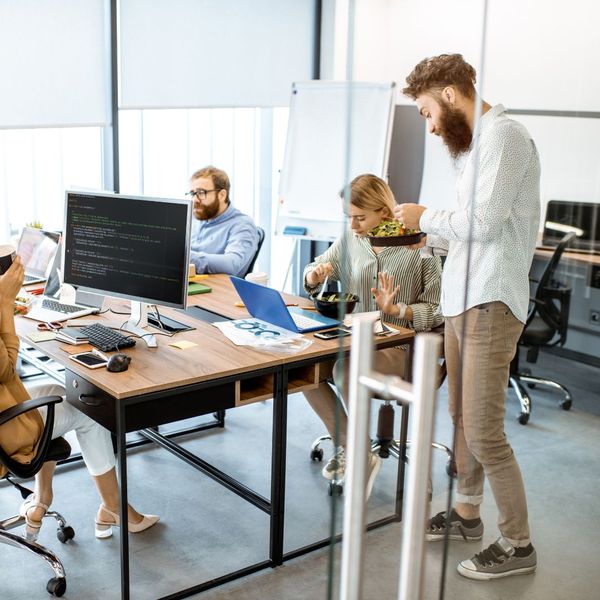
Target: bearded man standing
490 239
224 240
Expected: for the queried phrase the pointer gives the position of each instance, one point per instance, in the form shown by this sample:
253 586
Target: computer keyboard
29 278
58 307
304 322
106 339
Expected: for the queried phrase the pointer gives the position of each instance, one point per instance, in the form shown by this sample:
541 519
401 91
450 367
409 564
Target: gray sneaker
335 468
457 530
500 559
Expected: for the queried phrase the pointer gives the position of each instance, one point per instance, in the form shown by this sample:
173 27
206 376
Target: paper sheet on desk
378 328
247 332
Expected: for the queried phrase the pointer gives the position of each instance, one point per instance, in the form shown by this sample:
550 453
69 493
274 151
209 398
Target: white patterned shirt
497 218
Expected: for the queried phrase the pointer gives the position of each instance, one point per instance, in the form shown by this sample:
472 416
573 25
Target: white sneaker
373 466
335 467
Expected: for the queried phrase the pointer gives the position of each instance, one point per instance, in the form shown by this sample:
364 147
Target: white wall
537 55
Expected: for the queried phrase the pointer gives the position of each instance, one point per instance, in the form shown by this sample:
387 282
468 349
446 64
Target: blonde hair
370 192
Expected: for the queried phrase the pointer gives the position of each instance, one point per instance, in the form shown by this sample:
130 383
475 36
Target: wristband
402 308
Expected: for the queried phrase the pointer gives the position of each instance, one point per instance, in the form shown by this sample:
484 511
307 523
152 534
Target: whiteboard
336 131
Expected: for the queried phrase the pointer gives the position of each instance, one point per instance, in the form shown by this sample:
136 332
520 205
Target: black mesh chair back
547 325
549 313
261 239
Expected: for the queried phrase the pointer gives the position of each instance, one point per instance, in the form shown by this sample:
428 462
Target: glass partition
508 176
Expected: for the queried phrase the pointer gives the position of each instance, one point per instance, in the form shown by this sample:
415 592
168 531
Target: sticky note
183 344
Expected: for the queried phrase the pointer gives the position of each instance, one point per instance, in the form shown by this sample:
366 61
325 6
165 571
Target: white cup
260 278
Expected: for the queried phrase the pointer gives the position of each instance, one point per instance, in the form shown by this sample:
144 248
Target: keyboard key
58 307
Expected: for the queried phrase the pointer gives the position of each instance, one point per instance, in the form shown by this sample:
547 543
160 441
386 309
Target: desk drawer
150 410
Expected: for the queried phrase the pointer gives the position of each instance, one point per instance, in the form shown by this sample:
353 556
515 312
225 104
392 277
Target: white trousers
94 440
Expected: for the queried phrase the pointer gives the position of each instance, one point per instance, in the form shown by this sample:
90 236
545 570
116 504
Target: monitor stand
137 321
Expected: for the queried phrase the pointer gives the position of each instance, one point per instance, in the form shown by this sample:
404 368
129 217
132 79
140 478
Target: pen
242 305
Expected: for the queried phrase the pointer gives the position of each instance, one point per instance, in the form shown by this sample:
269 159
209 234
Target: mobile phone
331 334
89 360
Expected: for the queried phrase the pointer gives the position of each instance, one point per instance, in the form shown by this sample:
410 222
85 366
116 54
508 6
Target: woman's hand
384 296
11 282
318 274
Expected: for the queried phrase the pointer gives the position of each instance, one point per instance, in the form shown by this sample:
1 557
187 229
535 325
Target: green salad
337 297
391 227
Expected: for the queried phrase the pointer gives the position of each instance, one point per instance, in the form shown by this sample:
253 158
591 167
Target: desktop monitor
583 218
130 247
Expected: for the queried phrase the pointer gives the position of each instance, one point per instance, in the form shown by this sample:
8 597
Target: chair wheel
57 586
64 534
316 454
335 489
523 418
566 404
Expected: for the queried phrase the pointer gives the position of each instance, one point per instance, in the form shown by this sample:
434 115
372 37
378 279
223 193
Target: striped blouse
355 265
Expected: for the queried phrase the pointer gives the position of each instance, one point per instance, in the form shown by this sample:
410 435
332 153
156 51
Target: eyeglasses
258 328
200 193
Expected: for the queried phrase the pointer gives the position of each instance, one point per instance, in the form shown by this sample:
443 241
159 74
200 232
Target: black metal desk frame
145 412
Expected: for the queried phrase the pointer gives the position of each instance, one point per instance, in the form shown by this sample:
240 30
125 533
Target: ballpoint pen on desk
242 305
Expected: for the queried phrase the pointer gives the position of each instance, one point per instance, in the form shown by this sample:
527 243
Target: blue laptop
267 304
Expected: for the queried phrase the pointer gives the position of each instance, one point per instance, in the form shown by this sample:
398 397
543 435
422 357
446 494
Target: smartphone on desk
331 334
91 360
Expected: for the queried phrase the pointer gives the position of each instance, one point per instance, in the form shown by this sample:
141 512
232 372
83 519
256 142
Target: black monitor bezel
182 303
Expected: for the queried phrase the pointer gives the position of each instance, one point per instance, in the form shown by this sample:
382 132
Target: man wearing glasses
224 240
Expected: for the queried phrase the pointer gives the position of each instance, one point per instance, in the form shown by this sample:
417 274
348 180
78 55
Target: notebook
47 307
267 304
36 248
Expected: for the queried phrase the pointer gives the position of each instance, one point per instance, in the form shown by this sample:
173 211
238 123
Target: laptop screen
37 249
54 276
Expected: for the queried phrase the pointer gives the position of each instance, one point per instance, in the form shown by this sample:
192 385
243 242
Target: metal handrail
420 395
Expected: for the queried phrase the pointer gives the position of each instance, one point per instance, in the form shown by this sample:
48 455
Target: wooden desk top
214 356
223 298
569 256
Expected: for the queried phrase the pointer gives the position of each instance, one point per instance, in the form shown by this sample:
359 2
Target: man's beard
207 211
455 131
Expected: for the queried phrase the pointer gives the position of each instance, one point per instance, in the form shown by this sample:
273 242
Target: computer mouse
118 363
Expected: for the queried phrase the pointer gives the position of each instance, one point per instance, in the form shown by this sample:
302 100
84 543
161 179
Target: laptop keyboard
106 339
31 278
58 307
303 322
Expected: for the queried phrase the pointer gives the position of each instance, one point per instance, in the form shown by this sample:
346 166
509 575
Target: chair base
58 584
516 382
336 487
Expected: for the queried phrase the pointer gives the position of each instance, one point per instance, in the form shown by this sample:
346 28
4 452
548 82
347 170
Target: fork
320 294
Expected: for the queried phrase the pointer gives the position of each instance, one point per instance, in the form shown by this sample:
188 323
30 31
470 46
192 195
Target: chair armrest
23 407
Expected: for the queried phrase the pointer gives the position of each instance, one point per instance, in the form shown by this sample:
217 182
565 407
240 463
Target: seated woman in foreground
20 436
393 279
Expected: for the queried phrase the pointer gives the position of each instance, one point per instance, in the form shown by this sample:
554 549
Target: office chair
48 450
261 239
547 324
384 444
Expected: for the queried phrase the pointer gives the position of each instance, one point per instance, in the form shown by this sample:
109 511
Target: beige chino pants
479 345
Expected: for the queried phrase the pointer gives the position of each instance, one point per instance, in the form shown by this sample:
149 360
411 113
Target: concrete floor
206 531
